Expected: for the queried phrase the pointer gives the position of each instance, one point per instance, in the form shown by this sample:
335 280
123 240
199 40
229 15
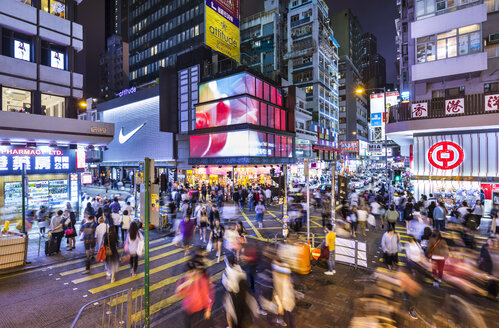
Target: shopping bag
177 239
209 246
125 259
371 220
101 254
140 248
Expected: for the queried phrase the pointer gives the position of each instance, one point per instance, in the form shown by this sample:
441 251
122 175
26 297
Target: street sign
141 166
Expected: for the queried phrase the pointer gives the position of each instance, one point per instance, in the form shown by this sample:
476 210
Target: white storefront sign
419 110
454 106
491 102
457 155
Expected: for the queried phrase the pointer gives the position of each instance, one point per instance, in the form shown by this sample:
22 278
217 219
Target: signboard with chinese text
419 110
454 106
86 178
37 160
73 178
349 146
222 29
491 102
377 101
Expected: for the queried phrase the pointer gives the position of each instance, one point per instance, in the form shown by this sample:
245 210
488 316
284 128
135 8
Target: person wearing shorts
217 237
88 230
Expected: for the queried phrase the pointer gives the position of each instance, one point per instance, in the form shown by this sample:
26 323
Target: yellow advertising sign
221 35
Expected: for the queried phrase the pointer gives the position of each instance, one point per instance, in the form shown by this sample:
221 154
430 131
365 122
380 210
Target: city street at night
249 164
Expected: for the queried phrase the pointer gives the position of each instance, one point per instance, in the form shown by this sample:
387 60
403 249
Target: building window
438 93
492 50
457 42
53 106
16 100
295 18
28 2
55 7
492 5
491 87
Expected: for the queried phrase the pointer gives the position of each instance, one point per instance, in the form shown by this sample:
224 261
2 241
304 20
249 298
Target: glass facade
16 100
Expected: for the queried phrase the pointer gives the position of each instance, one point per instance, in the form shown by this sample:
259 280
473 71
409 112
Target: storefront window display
451 192
243 176
16 100
53 105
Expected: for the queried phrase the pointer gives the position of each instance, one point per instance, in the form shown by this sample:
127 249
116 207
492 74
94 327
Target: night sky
376 16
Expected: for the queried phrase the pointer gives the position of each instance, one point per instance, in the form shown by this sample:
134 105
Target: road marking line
252 226
60 265
138 276
156 286
93 266
280 221
167 302
125 267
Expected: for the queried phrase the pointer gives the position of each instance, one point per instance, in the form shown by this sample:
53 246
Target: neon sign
445 155
36 160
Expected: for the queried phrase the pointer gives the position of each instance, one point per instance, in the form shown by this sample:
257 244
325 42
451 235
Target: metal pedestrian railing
117 310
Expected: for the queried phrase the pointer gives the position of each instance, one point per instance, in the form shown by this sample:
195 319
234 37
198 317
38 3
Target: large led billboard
228 112
240 144
229 86
222 29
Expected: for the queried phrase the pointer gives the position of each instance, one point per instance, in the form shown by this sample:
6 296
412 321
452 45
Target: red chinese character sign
445 155
491 102
454 106
419 110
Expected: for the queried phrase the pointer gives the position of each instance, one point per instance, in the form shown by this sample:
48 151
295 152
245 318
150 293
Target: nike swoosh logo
124 138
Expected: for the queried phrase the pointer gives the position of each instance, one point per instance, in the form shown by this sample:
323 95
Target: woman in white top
362 215
100 231
125 224
132 243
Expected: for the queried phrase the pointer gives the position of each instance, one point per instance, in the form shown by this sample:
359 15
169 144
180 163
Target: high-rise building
40 137
373 65
312 56
352 107
348 33
114 67
263 40
159 31
116 18
448 74
39 43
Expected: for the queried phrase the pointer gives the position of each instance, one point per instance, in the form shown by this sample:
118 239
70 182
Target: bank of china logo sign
445 155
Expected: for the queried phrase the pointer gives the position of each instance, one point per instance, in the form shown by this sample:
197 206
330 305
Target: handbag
140 247
101 254
324 251
108 250
429 253
69 231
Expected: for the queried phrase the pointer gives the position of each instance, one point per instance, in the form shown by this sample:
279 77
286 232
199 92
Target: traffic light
272 172
397 175
229 174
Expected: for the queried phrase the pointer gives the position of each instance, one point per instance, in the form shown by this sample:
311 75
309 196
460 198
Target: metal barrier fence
119 310
351 252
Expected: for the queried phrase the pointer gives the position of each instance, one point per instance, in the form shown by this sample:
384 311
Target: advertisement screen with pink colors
227 87
239 144
228 112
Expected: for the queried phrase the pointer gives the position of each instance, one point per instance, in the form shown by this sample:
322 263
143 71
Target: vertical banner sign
491 102
454 106
222 27
419 110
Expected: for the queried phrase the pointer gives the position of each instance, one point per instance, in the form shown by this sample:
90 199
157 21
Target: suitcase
50 246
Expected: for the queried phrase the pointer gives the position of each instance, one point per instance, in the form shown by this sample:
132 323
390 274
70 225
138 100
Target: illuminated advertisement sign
21 50
222 33
86 178
226 8
227 87
377 101
57 59
39 160
240 144
349 146
457 155
228 112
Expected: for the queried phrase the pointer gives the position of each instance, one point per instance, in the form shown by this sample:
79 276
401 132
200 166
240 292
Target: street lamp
360 90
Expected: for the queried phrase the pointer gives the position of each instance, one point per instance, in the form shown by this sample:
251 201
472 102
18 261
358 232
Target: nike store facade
137 135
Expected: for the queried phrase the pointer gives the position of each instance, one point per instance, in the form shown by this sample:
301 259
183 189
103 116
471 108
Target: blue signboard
376 119
37 160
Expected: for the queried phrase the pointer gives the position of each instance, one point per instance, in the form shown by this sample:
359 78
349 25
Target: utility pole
23 197
306 168
333 190
285 209
147 204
